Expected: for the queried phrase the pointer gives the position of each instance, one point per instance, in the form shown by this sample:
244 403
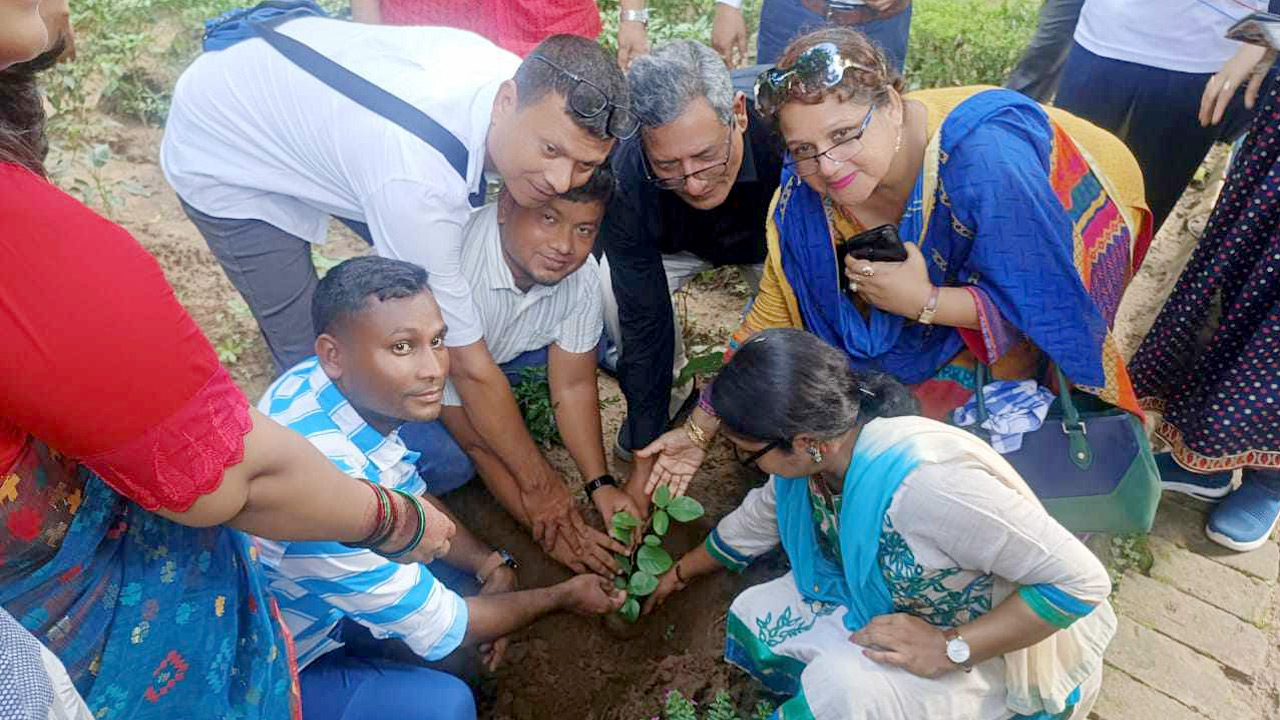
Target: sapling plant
648 560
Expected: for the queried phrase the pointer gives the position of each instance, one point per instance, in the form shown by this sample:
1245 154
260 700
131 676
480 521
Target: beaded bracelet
417 536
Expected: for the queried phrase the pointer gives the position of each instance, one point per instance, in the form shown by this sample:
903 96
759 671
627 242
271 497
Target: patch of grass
1126 552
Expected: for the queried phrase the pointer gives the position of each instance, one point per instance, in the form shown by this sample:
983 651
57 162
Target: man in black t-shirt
693 191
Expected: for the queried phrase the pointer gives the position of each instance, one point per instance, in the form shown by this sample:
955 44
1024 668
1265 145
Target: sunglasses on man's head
588 100
819 68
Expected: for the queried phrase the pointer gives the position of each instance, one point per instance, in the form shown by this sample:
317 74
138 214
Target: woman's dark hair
786 382
22 138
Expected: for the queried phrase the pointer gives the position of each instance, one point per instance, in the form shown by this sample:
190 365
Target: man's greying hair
582 57
664 82
346 289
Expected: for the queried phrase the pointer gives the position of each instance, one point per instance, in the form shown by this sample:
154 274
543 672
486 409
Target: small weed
722 707
1127 552
533 396
669 633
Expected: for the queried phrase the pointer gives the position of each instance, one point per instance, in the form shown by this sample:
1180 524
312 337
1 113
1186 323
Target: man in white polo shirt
537 291
262 150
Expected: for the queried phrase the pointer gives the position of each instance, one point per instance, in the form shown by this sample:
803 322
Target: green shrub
968 42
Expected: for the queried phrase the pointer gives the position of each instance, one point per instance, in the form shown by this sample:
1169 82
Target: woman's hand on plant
1248 67
669 583
676 459
502 579
590 595
901 288
907 642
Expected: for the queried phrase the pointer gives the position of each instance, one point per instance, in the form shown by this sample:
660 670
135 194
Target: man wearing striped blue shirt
380 361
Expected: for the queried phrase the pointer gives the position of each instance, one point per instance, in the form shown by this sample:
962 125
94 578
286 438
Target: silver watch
958 650
640 16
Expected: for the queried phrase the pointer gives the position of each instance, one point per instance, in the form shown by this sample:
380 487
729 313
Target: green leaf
624 562
620 582
624 519
653 540
685 508
661 522
642 583
662 497
653 560
630 609
622 535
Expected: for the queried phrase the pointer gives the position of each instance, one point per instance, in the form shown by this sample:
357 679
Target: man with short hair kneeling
380 361
537 291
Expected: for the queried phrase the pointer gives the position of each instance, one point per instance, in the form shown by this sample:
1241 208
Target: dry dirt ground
563 667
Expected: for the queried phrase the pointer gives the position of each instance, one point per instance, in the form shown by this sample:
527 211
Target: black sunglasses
588 100
750 460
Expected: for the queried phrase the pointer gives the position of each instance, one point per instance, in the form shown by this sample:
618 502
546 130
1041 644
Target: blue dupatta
996 225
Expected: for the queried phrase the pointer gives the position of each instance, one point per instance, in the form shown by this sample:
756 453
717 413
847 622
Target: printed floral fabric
151 618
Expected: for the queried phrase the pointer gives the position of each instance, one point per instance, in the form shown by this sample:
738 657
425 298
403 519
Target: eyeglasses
588 100
710 174
819 68
749 461
841 152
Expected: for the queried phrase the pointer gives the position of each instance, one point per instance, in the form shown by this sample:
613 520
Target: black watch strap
598 483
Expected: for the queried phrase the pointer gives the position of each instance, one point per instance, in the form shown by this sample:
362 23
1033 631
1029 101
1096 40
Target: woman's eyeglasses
710 174
819 68
588 100
749 461
841 152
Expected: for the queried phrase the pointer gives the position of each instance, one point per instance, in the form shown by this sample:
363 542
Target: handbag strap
366 94
1081 453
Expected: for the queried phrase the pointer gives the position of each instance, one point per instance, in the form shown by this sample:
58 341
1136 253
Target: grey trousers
1036 74
275 275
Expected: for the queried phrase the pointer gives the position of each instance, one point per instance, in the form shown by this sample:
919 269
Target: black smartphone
880 244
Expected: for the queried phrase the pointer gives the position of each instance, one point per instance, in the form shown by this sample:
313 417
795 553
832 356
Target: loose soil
566 666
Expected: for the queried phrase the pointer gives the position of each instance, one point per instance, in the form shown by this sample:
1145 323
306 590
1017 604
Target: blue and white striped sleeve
748 532
391 599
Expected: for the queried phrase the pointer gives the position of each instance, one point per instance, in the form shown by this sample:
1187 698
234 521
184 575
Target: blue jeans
443 464
782 21
363 681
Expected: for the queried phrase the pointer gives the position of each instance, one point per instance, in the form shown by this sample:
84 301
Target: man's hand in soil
611 500
553 516
590 595
597 556
502 579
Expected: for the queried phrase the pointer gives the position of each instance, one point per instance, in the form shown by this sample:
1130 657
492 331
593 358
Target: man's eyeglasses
710 174
841 152
819 68
749 461
588 100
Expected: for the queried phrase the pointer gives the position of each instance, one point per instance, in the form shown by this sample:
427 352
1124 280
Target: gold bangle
696 434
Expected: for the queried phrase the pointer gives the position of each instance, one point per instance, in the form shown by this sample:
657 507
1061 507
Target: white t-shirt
252 136
1181 35
568 314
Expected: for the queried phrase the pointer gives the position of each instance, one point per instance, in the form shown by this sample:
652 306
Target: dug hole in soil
566 666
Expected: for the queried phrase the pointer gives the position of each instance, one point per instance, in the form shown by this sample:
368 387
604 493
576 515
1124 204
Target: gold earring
816 454
897 145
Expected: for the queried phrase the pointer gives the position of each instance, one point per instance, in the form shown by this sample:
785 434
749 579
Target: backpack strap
367 94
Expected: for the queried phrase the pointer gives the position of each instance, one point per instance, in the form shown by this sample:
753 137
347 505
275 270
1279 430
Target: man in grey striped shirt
536 289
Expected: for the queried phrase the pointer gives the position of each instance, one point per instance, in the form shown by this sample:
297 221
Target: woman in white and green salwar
926 580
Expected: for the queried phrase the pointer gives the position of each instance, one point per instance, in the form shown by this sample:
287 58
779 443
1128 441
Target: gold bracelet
696 435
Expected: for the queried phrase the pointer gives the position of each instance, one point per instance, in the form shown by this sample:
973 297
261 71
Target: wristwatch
506 560
957 649
598 483
640 16
930 307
